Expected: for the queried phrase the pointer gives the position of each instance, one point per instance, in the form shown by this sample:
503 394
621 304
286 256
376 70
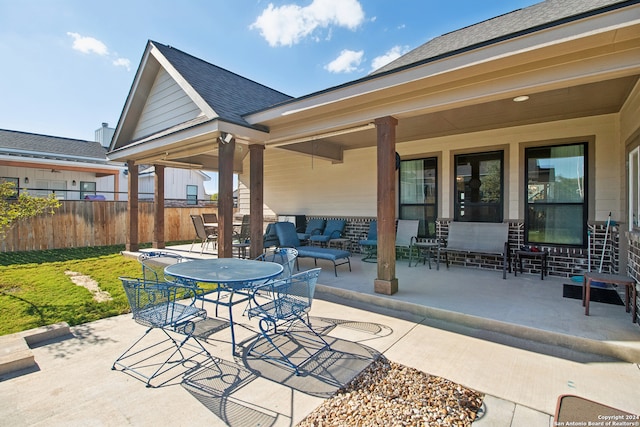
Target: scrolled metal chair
154 304
289 305
154 262
286 257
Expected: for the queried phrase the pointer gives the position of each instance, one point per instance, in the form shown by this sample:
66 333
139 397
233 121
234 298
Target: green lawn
36 288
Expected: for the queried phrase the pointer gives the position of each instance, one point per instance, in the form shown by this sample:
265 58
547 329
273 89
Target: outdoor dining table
233 275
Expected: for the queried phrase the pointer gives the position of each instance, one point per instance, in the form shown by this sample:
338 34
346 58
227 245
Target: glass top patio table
237 276
231 272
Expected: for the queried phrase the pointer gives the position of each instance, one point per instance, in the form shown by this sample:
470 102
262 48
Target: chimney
104 135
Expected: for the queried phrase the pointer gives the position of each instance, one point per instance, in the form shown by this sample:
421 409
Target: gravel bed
389 394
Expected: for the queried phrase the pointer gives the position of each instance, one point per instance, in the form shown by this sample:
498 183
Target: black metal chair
155 305
201 234
288 305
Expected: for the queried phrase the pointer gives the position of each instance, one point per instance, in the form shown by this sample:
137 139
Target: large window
419 193
634 189
556 195
192 194
479 187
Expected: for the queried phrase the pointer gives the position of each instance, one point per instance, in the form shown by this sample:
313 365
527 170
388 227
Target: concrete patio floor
517 340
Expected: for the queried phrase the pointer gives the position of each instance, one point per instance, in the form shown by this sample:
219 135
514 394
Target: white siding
175 184
43 178
296 184
166 106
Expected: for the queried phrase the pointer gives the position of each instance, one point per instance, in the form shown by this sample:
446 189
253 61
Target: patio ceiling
559 104
603 97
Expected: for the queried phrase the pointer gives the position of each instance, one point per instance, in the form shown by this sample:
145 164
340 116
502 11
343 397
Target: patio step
554 343
15 354
15 349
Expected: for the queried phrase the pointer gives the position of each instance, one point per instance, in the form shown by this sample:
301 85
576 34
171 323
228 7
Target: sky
66 66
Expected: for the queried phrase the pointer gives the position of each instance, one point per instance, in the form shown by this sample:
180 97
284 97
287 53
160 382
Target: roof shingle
537 15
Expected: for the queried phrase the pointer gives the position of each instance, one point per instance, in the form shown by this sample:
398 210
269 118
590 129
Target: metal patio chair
370 243
155 305
279 315
202 235
154 262
286 257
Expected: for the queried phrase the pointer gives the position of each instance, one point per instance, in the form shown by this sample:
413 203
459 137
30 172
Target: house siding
296 184
166 106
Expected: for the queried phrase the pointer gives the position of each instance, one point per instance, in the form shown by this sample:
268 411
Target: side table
613 279
342 243
542 256
426 250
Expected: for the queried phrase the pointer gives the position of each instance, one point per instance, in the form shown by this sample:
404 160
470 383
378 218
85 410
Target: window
87 189
556 210
479 187
419 193
192 194
16 184
634 189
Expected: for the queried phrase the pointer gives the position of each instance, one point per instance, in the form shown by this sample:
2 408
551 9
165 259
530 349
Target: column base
386 287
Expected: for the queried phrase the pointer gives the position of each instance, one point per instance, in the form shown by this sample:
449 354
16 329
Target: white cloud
91 45
88 44
122 62
347 62
288 24
391 55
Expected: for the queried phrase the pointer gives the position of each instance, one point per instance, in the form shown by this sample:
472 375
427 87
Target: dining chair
289 306
155 305
154 262
201 234
209 219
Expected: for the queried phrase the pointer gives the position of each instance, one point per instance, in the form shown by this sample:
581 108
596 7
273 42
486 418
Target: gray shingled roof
229 94
34 145
513 23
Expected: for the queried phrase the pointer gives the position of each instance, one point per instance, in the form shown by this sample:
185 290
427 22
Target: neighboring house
182 186
71 168
74 169
529 118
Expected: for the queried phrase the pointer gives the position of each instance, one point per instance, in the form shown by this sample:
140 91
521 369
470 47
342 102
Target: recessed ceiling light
521 98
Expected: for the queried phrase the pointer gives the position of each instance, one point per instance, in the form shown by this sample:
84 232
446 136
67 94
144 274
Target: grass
35 291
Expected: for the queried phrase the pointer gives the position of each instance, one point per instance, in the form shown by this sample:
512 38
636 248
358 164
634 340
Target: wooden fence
81 223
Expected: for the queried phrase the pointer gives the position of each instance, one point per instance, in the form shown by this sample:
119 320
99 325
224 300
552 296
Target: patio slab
73 384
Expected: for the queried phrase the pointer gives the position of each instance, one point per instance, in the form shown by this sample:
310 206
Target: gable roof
31 145
503 27
228 94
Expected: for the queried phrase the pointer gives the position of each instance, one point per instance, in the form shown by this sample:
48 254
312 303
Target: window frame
423 230
16 187
458 206
584 203
83 192
189 197
634 189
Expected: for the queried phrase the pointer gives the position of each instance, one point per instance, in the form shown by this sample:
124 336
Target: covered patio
515 92
522 311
